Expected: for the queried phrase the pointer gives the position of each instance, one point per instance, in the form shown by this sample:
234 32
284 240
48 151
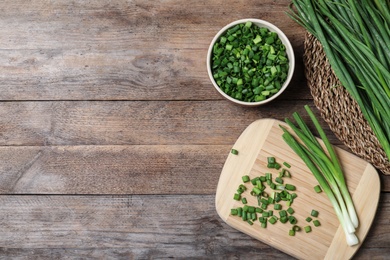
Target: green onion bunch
326 168
355 36
249 63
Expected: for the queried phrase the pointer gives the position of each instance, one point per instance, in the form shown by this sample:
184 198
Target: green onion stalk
355 36
326 168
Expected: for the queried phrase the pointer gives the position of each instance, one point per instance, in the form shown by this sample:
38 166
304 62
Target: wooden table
112 137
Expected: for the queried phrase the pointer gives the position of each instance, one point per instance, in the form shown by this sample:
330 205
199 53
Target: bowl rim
283 38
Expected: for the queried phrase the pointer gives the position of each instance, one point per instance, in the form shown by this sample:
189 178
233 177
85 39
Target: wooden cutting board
263 138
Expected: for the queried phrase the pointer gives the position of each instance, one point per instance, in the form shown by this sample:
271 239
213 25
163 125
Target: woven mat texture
338 109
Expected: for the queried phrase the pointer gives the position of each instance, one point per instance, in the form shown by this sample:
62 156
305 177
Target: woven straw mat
338 109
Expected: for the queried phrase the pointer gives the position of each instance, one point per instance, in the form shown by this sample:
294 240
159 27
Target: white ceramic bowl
282 37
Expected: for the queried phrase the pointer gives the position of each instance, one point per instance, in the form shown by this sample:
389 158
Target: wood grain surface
112 138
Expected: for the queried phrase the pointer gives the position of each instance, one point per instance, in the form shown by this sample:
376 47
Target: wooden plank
139 227
103 25
385 182
132 123
177 74
154 74
136 169
127 50
167 251
155 169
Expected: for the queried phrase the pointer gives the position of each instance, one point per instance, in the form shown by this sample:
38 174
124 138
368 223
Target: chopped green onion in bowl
250 62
